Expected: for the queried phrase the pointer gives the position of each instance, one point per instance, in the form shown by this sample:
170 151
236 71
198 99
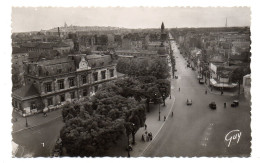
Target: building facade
51 83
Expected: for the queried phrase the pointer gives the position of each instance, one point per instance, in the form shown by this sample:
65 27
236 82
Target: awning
213 82
222 85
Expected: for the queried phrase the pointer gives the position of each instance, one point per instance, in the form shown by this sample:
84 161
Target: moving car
213 105
201 81
189 102
235 103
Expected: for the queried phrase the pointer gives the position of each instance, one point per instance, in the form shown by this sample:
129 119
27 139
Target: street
38 141
197 130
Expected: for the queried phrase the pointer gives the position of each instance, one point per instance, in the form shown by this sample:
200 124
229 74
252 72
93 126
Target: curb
30 127
141 155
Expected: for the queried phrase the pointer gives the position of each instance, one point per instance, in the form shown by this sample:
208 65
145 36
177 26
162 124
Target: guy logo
234 136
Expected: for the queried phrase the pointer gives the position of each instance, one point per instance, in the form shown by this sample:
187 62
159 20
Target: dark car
213 105
189 102
201 81
235 103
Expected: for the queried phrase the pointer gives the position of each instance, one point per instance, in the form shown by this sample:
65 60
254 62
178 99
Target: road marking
206 135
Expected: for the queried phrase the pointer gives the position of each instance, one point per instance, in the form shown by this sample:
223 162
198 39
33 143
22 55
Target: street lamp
159 107
128 150
159 111
26 123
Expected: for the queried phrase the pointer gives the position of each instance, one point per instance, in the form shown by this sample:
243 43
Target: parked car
201 81
189 102
235 103
213 105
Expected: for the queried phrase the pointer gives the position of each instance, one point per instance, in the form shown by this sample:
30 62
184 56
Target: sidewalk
153 125
34 120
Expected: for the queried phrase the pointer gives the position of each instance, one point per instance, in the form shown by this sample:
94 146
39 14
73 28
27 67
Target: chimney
59 31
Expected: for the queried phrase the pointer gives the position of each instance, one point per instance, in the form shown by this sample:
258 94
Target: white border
5 82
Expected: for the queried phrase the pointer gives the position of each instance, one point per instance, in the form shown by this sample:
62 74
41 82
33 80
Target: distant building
46 46
50 83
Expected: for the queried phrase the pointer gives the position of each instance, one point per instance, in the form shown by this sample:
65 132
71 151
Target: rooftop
26 91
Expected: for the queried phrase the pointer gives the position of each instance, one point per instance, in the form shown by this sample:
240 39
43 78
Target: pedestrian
179 89
147 138
145 126
143 137
172 113
151 136
164 118
206 92
221 92
211 89
225 104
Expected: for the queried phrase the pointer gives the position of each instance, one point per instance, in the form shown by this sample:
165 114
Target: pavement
33 120
153 125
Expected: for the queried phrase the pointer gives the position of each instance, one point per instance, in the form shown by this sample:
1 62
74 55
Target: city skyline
36 19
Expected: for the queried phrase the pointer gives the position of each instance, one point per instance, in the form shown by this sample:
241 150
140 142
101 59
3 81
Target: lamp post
26 123
159 107
128 152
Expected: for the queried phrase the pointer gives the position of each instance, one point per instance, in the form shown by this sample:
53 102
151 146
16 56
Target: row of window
63 99
84 78
48 86
58 71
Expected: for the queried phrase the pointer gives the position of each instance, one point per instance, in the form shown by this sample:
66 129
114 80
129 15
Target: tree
159 68
135 67
119 107
164 87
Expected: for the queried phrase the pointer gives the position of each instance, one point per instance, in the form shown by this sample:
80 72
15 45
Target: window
85 92
95 76
71 82
33 106
72 95
95 88
19 106
84 79
111 71
46 73
70 69
103 74
15 104
48 87
62 98
49 100
59 70
61 84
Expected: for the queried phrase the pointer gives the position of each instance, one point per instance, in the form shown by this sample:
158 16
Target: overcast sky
34 19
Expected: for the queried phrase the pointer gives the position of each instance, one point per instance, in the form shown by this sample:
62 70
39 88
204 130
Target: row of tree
93 125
